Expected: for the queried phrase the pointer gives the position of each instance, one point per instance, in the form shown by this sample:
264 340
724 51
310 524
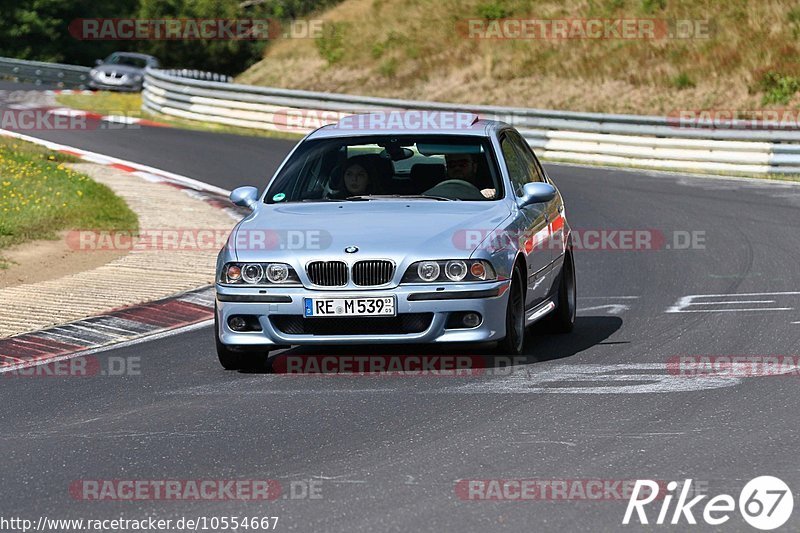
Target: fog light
471 320
237 323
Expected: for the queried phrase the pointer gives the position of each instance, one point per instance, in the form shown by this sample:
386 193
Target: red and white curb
214 196
70 112
129 325
112 329
69 91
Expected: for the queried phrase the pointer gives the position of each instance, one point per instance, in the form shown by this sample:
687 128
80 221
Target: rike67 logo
765 503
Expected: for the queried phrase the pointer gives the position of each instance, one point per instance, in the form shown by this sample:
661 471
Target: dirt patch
37 261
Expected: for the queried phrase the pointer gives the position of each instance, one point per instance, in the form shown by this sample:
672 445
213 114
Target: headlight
455 270
252 273
428 270
93 72
258 274
449 270
277 273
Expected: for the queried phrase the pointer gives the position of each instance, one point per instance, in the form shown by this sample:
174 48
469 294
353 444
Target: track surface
389 450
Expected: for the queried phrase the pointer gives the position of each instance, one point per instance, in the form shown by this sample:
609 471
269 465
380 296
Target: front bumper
128 86
488 299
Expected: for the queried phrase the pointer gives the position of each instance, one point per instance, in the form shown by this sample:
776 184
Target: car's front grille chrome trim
374 272
327 273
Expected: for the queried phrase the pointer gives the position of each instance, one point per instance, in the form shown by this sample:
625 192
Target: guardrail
39 73
644 141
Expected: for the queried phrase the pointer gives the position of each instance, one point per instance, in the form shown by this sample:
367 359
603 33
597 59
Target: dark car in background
121 71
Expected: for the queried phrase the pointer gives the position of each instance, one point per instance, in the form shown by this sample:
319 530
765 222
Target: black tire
242 359
562 320
516 332
229 359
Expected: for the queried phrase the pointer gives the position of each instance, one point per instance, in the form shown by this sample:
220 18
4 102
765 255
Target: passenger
464 167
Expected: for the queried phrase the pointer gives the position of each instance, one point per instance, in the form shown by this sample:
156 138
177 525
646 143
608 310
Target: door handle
561 208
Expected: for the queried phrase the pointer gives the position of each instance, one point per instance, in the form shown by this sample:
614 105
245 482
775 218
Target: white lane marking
67 112
683 304
636 378
734 302
608 297
144 338
735 310
627 378
613 309
121 119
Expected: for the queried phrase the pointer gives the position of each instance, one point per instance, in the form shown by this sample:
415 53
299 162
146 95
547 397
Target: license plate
321 307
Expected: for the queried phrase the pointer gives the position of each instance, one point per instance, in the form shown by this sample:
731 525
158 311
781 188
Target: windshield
121 59
432 167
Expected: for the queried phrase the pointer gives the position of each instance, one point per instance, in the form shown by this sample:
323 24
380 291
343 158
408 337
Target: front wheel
231 359
516 332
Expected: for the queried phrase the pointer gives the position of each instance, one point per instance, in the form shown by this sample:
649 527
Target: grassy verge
733 55
130 105
40 195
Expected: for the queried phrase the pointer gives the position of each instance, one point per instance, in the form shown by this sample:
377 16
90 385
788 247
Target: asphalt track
389 451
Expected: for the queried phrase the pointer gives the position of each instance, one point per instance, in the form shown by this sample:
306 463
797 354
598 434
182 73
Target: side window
534 171
517 170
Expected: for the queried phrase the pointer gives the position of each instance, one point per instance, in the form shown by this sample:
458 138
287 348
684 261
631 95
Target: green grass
40 196
704 55
130 105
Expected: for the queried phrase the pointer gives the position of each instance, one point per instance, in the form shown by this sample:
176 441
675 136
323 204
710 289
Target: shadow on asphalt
542 346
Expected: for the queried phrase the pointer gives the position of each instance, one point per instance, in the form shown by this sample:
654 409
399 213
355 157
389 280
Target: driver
464 167
357 180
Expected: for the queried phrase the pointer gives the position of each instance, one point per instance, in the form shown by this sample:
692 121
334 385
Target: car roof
410 122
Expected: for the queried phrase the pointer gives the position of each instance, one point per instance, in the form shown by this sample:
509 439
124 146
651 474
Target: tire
562 320
243 359
516 332
229 359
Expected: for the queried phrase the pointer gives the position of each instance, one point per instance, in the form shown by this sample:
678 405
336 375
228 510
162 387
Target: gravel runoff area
181 234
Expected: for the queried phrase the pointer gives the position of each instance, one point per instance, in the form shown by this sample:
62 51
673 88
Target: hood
385 229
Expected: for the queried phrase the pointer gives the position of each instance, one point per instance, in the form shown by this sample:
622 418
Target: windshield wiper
322 200
367 197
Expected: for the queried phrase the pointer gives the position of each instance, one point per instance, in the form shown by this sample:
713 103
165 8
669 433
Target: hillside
740 55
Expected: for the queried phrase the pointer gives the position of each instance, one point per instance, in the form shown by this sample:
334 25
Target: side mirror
536 193
98 62
245 197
